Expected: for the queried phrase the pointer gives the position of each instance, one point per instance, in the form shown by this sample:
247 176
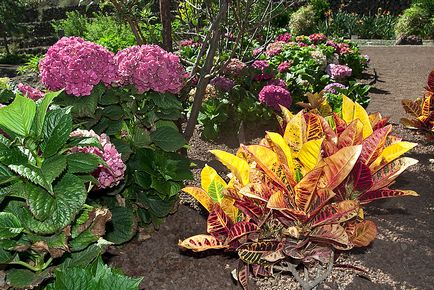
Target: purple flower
77 66
30 92
330 88
222 83
284 66
257 51
149 67
273 96
333 44
234 67
301 44
286 37
337 71
107 177
263 67
277 82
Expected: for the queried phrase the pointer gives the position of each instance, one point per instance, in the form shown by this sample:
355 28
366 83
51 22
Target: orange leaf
201 243
363 233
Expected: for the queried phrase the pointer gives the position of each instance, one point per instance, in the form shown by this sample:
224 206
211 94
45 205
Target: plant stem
24 264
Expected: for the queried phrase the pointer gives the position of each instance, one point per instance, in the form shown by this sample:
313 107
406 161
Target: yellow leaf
239 167
200 195
295 133
347 109
227 205
208 175
278 141
201 243
310 153
352 111
287 115
390 153
266 156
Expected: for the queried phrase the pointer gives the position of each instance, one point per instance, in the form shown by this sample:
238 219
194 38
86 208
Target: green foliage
96 276
10 14
143 129
75 24
43 191
320 7
416 20
31 65
303 21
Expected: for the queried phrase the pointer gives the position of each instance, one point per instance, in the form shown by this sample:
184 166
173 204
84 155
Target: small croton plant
421 110
294 200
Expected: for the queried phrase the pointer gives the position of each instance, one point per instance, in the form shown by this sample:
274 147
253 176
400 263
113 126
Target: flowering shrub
28 91
338 72
330 88
77 66
273 96
263 70
111 175
295 199
222 83
150 68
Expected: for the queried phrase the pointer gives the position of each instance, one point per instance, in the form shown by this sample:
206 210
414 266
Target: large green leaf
84 106
5 256
56 129
32 173
59 210
10 225
166 101
168 138
53 167
123 225
165 188
41 110
23 278
83 162
18 116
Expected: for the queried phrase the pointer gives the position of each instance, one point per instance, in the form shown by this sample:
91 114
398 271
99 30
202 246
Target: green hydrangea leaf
10 225
18 116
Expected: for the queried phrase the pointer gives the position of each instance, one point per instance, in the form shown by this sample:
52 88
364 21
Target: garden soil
402 257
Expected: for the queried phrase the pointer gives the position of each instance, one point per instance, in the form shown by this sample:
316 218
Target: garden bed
401 257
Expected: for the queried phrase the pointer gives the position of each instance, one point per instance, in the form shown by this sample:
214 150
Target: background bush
303 21
417 20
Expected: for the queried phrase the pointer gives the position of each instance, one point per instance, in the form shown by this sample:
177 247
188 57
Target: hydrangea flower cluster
30 92
275 48
234 67
189 43
107 177
319 58
274 96
332 44
257 51
338 72
330 88
222 83
263 67
343 48
317 38
77 66
284 66
149 67
286 37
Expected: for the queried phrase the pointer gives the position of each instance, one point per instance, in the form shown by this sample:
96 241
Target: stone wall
370 7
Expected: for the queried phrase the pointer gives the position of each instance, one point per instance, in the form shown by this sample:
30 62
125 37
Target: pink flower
284 66
301 44
343 48
264 67
273 96
222 83
337 71
330 88
107 177
333 44
257 51
77 66
149 67
277 82
317 38
234 67
275 48
189 42
31 93
286 37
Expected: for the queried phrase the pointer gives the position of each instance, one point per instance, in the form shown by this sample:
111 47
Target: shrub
416 20
44 184
75 24
31 65
303 21
294 200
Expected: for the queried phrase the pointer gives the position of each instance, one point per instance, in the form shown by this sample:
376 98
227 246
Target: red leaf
336 213
384 193
243 275
373 145
240 229
219 223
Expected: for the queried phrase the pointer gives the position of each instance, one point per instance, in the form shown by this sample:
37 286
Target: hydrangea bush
128 103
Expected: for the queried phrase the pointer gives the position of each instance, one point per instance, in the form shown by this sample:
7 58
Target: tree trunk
166 21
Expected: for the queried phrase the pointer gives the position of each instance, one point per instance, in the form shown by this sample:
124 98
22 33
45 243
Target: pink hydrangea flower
343 48
273 96
333 44
284 66
275 48
222 83
77 66
234 67
107 177
30 92
263 67
337 71
189 43
301 44
277 82
330 88
286 37
317 38
257 51
149 67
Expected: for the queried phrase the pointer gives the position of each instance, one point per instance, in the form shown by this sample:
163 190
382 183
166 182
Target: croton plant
421 110
298 197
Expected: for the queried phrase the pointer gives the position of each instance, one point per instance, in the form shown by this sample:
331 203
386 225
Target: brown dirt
401 258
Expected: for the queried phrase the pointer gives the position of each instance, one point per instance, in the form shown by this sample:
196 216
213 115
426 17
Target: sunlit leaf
295 133
279 142
386 174
352 135
313 126
352 111
336 213
218 223
201 243
390 153
239 167
207 175
373 145
310 153
200 195
384 193
306 189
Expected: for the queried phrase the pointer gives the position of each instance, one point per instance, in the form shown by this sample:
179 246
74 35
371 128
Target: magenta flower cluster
338 71
77 66
234 67
277 82
286 37
263 67
330 88
107 177
273 96
30 92
189 43
317 38
149 67
284 66
222 83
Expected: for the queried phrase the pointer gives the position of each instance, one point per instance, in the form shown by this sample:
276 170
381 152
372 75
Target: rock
409 40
